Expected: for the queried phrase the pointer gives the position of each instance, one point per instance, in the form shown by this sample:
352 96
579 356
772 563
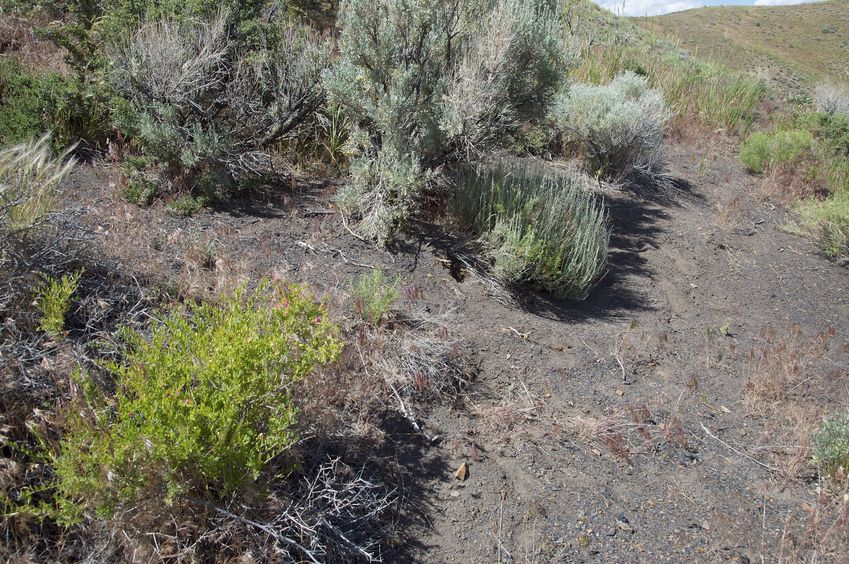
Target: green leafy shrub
617 127
29 177
187 205
201 108
373 295
431 83
831 445
201 406
763 150
543 228
53 300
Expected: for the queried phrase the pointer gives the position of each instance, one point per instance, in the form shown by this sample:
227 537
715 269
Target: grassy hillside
789 46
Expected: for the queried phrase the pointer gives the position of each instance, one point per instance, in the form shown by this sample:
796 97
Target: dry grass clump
788 366
831 99
29 176
632 431
518 413
793 382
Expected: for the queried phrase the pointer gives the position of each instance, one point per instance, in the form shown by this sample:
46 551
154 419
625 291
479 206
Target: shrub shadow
638 216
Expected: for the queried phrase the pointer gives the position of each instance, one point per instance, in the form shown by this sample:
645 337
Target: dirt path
610 456
612 430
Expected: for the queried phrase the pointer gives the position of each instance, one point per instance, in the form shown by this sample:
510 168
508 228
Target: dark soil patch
616 429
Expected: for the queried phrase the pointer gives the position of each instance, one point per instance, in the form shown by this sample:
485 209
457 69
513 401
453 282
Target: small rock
462 472
623 523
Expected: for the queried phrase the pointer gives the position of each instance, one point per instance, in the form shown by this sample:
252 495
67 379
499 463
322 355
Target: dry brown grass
787 182
793 380
788 366
632 430
19 42
728 213
519 413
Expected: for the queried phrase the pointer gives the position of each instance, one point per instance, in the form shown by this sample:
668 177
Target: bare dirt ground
657 421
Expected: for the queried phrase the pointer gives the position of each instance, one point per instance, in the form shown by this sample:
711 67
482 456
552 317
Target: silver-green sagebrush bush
540 227
831 99
201 106
618 128
430 83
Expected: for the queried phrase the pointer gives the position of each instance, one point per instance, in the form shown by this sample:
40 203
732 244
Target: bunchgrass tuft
762 150
29 177
539 227
827 222
373 294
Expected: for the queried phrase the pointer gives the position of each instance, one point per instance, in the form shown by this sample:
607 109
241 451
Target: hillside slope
792 47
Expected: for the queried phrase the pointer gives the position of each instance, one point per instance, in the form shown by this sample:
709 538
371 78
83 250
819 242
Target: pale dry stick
360 237
622 366
524 336
763 531
783 538
404 409
741 453
308 247
501 547
270 532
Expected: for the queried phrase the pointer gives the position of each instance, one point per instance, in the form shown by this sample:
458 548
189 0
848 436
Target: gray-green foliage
373 295
432 82
200 105
831 99
540 227
617 127
831 444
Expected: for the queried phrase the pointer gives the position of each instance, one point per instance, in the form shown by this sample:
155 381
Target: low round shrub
201 406
617 128
542 228
831 445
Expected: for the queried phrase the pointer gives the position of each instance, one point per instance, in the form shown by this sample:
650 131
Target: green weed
831 445
53 300
373 295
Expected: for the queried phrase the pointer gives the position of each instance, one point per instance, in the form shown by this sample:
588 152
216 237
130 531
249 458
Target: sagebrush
428 84
207 111
545 228
617 127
